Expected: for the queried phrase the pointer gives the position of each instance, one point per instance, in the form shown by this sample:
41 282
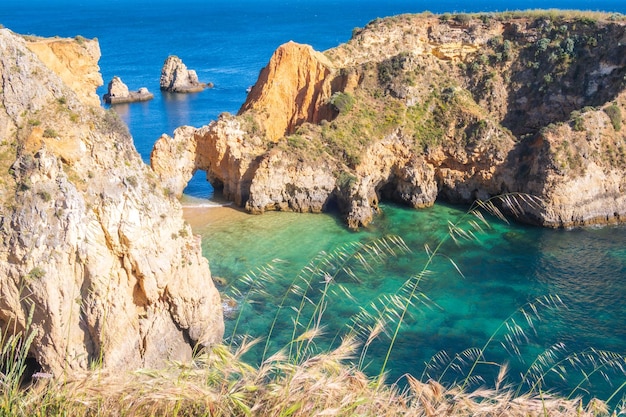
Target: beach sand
199 217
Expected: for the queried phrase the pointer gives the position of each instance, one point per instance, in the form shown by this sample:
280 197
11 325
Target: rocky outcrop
284 183
117 93
292 89
419 107
227 153
176 78
90 243
389 170
74 60
577 169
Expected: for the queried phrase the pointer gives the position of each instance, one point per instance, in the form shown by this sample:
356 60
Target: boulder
176 78
118 93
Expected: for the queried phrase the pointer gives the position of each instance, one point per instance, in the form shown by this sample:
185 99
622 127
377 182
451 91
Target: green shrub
485 18
615 114
568 46
115 124
44 195
542 44
342 102
463 18
578 124
132 181
37 273
296 141
391 68
50 133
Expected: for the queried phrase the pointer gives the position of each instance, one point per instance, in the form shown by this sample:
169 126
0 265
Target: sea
549 303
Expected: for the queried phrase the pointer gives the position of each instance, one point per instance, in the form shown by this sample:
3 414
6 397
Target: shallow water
505 268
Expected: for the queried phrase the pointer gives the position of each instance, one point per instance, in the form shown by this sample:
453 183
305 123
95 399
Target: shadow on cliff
570 67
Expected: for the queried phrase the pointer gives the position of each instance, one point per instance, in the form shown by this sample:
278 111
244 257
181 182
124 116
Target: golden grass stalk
218 383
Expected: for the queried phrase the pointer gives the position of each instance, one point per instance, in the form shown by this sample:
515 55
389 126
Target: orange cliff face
75 61
292 89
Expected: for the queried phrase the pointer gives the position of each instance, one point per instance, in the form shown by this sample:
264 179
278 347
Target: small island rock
176 78
118 93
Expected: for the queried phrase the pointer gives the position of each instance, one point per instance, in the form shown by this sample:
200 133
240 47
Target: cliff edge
419 107
90 244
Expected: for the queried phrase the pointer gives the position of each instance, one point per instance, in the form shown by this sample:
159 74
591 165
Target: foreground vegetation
219 383
316 375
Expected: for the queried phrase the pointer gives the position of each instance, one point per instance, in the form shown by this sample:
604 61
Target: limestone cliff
296 81
419 107
88 237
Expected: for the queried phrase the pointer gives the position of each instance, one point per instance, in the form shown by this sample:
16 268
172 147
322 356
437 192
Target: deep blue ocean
227 43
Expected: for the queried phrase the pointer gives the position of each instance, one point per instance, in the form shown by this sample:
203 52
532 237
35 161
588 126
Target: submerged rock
118 93
176 78
90 243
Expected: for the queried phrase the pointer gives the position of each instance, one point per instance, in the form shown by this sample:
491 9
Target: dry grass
219 383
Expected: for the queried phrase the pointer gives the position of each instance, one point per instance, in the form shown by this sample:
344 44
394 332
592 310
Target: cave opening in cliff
12 361
388 191
332 206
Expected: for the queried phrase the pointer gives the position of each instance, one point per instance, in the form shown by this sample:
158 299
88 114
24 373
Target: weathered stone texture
88 238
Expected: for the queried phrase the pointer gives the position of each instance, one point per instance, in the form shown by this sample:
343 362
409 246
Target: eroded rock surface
295 86
74 60
88 238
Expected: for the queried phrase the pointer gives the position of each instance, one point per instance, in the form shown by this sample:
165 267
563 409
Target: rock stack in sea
176 78
118 93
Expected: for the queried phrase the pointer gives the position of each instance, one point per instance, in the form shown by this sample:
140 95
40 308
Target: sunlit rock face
176 78
95 257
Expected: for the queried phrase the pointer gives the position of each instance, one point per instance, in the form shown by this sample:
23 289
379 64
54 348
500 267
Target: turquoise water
504 268
508 266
